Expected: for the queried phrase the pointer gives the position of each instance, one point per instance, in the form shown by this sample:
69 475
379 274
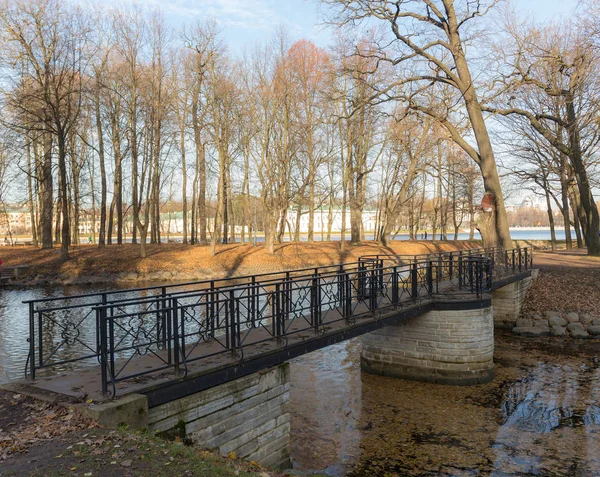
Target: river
539 417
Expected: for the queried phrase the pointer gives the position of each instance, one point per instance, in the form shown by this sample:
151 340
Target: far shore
89 264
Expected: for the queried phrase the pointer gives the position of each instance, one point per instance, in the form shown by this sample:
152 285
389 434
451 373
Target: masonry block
425 348
249 416
508 301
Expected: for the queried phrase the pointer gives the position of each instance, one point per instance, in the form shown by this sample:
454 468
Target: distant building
321 220
15 221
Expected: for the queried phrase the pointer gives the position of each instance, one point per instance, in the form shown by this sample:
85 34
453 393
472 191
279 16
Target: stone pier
451 344
249 417
508 301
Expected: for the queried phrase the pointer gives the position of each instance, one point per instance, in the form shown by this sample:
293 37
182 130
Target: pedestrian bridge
211 356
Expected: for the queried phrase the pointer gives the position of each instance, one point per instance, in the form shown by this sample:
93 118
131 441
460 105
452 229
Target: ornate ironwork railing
182 323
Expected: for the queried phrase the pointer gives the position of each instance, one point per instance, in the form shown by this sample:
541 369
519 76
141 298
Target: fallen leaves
38 421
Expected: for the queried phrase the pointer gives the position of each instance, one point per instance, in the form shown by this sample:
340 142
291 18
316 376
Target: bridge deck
172 345
87 381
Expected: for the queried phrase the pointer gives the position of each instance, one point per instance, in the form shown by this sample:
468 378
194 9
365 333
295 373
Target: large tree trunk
46 196
550 216
184 184
500 234
32 212
62 170
591 222
564 190
102 231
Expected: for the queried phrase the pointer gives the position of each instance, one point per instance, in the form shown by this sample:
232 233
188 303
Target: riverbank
43 439
177 262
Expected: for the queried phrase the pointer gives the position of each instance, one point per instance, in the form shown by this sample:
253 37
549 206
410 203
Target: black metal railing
179 324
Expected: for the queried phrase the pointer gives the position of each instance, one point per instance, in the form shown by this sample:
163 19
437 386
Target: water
14 326
538 233
539 417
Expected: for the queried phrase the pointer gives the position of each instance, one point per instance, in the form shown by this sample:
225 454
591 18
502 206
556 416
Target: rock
594 330
537 317
524 323
596 322
532 331
548 314
575 326
558 330
572 317
128 277
557 321
579 333
586 318
542 322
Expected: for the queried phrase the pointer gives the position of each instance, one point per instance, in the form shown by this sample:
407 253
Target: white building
321 220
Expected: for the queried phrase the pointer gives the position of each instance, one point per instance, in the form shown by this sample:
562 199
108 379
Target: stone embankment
552 323
123 277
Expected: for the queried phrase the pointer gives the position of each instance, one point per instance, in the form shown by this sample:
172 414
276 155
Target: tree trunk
62 170
103 193
550 215
32 212
591 219
46 192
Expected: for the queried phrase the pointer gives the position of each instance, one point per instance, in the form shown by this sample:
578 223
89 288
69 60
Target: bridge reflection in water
171 341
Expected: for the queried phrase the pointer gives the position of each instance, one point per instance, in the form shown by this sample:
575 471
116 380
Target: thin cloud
247 14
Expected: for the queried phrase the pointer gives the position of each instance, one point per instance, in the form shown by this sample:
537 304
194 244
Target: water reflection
326 408
14 327
539 417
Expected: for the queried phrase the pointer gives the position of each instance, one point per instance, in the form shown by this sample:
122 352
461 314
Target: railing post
212 308
430 277
175 327
253 302
104 301
395 297
460 270
373 290
315 302
111 351
31 341
514 263
40 340
450 266
288 295
526 259
414 281
341 286
531 260
520 260
478 276
101 318
233 321
167 329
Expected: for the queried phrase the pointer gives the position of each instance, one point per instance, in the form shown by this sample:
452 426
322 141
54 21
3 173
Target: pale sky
246 22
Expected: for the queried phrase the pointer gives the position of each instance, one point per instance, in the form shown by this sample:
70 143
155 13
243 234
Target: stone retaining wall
453 344
508 301
249 416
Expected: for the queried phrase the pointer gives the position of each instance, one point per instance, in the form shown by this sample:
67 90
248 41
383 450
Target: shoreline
89 265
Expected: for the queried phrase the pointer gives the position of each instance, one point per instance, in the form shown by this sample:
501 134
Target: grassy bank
229 260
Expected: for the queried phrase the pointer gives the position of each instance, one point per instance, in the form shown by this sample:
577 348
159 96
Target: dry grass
229 260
